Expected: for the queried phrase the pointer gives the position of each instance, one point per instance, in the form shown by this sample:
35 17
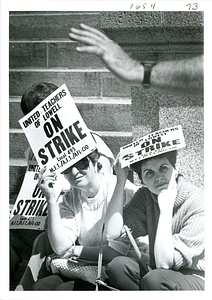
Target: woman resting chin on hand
171 212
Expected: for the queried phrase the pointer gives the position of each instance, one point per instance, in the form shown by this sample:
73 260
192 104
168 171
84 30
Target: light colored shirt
83 217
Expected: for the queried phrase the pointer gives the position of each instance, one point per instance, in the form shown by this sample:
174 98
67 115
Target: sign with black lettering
30 208
56 132
152 144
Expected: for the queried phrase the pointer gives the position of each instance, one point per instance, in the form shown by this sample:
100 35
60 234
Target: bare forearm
164 249
183 77
56 233
176 77
114 215
55 230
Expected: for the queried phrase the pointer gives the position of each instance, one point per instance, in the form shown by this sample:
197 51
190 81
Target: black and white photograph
104 118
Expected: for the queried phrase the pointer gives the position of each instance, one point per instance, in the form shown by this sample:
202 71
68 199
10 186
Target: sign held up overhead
153 144
56 132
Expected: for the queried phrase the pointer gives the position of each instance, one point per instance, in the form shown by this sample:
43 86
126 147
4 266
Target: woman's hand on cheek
167 196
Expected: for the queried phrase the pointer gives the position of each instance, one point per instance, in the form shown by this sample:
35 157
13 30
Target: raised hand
46 181
121 173
115 58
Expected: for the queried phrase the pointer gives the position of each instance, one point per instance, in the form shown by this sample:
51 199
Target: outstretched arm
183 77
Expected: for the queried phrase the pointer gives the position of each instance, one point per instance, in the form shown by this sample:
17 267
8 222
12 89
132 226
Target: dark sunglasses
80 165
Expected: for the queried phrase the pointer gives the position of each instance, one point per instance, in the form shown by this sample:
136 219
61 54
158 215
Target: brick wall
40 50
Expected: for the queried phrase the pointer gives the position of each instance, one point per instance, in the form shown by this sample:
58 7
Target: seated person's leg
21 241
36 267
49 283
60 283
14 262
161 279
81 285
66 286
124 273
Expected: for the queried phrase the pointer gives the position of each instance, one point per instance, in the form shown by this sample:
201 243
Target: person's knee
150 281
123 273
157 279
116 270
42 245
41 238
114 266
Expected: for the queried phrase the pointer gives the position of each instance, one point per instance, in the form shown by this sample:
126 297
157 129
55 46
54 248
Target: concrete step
99 114
50 54
47 25
57 54
81 83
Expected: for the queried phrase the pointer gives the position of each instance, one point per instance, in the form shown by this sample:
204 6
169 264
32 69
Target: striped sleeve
189 240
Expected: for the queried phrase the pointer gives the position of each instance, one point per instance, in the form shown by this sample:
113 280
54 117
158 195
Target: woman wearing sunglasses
78 217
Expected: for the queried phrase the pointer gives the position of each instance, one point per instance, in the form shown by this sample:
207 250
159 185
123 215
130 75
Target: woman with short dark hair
171 212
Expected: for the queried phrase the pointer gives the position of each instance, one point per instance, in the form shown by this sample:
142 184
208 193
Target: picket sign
152 144
59 138
30 208
56 132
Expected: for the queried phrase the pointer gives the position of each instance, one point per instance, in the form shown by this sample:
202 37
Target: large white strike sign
56 132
